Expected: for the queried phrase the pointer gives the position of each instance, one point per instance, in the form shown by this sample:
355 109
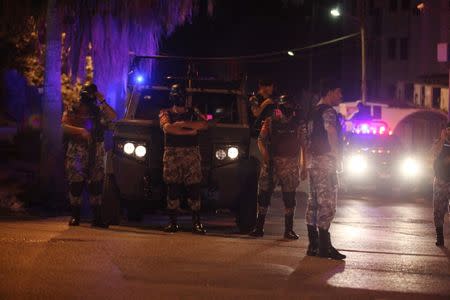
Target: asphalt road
389 245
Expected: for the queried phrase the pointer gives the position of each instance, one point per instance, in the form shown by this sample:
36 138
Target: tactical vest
181 140
442 163
319 144
285 138
87 116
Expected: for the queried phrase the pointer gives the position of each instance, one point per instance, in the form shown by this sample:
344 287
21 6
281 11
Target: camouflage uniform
441 196
283 134
83 167
441 186
182 165
285 171
85 162
181 168
321 205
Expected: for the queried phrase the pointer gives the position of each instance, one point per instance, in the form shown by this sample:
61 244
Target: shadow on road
315 271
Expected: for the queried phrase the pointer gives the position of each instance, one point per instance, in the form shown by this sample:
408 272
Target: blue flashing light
139 79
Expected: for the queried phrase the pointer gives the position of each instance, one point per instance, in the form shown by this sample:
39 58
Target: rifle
270 163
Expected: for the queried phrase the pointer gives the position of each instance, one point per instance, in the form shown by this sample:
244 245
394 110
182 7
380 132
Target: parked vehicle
134 166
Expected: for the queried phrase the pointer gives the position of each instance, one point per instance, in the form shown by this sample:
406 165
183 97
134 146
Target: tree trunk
52 170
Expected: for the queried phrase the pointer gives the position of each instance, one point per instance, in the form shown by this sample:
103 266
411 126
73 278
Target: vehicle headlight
410 167
128 148
140 151
221 154
233 152
357 164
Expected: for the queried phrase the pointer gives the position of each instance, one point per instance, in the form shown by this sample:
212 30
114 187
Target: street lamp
290 53
335 12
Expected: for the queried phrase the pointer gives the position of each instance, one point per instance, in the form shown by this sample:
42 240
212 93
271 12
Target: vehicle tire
135 210
246 214
111 201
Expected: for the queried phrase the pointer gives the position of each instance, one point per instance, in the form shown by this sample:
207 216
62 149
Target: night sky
253 27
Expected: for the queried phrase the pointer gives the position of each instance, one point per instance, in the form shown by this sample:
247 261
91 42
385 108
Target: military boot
258 231
289 233
313 236
326 250
75 216
173 225
197 226
440 236
98 220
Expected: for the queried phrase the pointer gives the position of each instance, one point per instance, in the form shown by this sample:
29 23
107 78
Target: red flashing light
376 127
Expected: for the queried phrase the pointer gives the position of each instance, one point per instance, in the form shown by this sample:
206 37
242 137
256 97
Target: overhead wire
254 56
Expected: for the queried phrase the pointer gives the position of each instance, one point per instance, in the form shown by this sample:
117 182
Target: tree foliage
97 37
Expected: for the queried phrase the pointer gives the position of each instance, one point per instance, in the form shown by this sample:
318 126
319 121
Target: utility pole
311 54
52 162
362 25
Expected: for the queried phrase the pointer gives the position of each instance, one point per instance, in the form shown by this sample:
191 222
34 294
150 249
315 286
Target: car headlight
128 148
221 154
140 151
233 152
357 164
410 167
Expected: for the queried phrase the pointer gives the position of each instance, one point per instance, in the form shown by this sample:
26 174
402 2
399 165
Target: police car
375 157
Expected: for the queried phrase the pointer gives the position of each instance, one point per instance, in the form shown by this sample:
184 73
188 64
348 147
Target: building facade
402 38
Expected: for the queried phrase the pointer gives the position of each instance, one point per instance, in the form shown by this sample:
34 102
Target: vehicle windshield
221 108
150 103
371 141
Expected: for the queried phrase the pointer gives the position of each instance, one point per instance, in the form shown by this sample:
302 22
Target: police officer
325 157
262 104
85 124
441 185
182 161
281 138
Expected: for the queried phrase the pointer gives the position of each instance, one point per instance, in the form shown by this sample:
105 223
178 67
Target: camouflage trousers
322 202
85 166
182 171
441 196
285 173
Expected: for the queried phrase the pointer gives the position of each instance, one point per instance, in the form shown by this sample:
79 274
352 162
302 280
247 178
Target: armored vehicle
134 166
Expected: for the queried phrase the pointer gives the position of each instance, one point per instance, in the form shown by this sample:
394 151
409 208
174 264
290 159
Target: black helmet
177 95
287 106
88 91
